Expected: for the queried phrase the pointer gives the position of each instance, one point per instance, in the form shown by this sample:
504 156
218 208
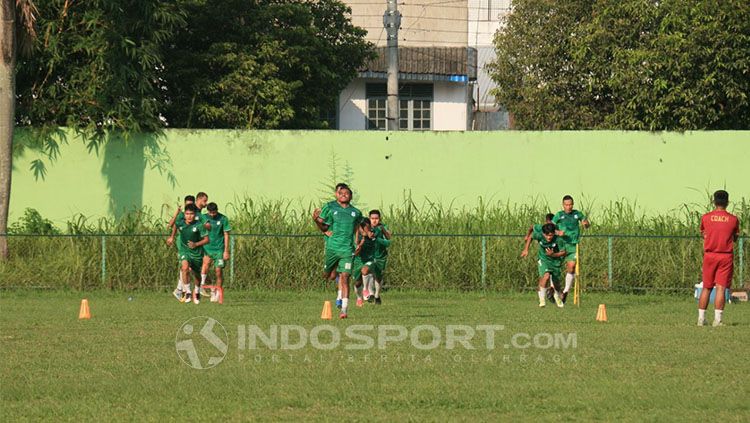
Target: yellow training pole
576 287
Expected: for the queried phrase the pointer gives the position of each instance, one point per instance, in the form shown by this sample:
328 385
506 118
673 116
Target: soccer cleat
717 323
360 302
564 297
177 294
377 301
187 299
701 322
558 300
342 316
196 297
338 303
542 302
551 294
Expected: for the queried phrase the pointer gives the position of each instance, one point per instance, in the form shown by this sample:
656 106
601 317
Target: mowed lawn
649 362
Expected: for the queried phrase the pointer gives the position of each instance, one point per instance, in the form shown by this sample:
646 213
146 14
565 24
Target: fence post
104 261
231 260
484 264
742 263
609 262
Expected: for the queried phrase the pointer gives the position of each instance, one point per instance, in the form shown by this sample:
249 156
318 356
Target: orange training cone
326 314
601 313
85 313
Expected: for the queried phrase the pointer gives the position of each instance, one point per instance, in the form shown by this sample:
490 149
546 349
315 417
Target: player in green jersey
324 229
193 236
217 249
364 257
178 216
380 257
569 221
535 230
551 252
340 221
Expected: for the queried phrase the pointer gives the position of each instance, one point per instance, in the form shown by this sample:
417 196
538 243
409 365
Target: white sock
717 315
369 283
569 277
542 294
359 292
179 283
701 314
344 305
203 278
186 287
378 285
338 297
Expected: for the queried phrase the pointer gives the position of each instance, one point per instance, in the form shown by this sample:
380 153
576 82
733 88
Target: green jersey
536 231
382 243
194 232
556 245
341 221
367 252
219 225
570 223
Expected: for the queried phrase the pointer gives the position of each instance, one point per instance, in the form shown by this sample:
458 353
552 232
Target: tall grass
436 246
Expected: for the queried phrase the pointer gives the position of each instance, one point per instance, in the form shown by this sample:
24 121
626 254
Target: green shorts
358 264
570 249
194 263
552 268
378 267
341 261
217 257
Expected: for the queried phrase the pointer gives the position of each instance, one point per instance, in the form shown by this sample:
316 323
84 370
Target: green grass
649 362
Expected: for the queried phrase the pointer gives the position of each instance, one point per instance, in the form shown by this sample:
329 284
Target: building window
415 106
376 110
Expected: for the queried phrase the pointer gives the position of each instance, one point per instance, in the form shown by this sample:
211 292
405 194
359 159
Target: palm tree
12 12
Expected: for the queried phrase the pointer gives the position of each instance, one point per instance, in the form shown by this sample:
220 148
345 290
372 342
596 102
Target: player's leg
357 276
196 265
555 282
219 271
185 272
344 269
542 289
570 270
723 279
367 281
709 274
178 291
205 265
377 274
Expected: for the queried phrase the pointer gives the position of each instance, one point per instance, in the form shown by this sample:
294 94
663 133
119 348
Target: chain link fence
416 261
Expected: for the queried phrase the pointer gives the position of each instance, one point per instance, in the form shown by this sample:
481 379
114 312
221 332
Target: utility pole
392 22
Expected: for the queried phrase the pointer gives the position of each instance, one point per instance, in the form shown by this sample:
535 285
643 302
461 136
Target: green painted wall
660 171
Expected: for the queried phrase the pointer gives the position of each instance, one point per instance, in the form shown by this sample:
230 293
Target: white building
443 46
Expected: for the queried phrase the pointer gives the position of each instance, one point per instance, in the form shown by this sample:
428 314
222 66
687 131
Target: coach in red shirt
720 230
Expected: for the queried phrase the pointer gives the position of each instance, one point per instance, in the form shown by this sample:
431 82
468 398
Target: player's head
548 231
364 223
548 217
567 204
374 217
344 195
201 199
213 209
339 186
189 199
721 198
190 211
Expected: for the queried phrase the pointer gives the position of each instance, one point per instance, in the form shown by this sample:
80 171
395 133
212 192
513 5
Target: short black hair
549 228
346 187
364 222
189 198
191 207
342 185
212 207
721 198
374 211
201 195
549 216
568 197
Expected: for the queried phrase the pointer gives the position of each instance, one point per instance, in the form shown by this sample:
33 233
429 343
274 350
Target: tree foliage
625 64
261 64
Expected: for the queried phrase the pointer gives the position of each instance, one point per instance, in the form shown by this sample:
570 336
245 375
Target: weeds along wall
657 172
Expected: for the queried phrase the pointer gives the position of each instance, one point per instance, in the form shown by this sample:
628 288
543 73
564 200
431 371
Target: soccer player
193 236
550 257
178 216
720 230
340 220
364 256
569 221
324 228
217 249
536 229
380 257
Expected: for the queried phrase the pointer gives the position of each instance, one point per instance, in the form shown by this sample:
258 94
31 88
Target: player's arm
170 239
319 216
551 253
174 218
226 245
527 243
202 242
585 221
386 232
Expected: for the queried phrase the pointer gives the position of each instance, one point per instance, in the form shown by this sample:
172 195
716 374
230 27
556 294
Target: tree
11 12
261 64
625 64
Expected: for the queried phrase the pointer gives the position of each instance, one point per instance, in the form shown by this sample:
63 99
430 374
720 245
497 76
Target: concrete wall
659 171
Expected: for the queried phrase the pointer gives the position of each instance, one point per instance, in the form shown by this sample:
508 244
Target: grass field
649 362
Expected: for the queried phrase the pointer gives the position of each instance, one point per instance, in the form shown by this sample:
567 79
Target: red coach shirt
719 228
